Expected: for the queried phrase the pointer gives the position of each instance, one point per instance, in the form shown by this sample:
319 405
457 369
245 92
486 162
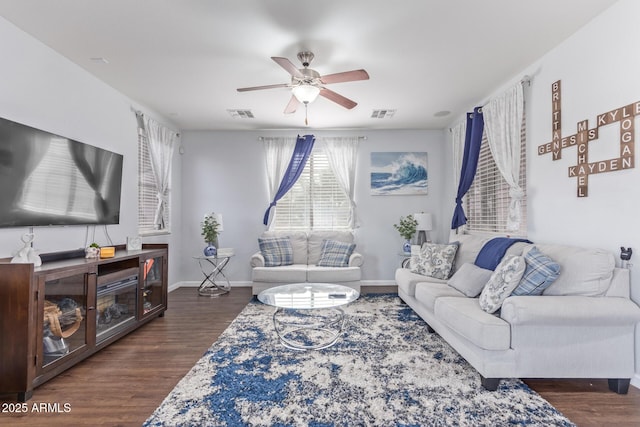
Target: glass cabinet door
64 316
152 297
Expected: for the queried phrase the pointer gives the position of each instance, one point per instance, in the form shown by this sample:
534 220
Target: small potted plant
210 233
406 228
92 251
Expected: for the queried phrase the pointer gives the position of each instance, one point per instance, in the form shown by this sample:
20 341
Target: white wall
599 67
225 172
44 90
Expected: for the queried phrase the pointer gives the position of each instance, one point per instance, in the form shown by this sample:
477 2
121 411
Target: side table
215 282
406 259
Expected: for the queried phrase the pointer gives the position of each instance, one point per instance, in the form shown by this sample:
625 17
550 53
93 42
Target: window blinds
147 190
316 201
487 201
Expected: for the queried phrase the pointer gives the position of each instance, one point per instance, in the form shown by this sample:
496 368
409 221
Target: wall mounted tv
47 179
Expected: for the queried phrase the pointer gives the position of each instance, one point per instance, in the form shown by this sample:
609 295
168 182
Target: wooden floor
125 382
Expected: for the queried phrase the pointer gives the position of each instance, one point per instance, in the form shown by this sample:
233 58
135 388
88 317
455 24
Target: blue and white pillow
276 251
540 273
335 253
434 260
502 282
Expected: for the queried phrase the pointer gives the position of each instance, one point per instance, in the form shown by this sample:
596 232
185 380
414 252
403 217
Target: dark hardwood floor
125 382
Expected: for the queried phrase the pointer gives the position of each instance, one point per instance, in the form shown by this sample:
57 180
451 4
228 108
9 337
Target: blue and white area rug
386 371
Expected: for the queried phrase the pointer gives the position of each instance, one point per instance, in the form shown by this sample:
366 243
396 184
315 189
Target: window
147 191
487 201
316 201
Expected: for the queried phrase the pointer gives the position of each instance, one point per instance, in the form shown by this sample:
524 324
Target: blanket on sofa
492 252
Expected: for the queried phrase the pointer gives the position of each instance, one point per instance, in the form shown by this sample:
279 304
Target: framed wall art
399 173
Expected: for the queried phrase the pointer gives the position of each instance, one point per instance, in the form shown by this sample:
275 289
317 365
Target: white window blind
487 201
315 202
147 190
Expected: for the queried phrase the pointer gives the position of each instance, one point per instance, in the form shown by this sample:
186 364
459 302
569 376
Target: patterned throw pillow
276 251
335 253
540 273
503 281
434 260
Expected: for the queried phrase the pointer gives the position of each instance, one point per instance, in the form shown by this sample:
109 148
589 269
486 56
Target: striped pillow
540 273
276 251
335 254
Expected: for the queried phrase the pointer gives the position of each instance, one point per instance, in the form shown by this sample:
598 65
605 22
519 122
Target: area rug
387 370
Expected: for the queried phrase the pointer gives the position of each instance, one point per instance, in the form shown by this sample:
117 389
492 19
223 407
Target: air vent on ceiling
382 114
242 114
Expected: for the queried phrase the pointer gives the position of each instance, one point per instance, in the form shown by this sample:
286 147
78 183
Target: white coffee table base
309 329
309 316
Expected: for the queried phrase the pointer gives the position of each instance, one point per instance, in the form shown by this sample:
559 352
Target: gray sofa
306 254
582 326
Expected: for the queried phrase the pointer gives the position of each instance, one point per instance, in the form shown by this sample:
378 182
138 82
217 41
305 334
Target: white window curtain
457 138
278 152
503 120
161 144
342 153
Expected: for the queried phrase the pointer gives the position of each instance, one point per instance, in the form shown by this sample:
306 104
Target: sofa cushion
465 317
296 273
316 238
434 260
406 281
582 271
503 281
332 275
541 271
428 292
276 251
335 253
298 243
470 279
468 247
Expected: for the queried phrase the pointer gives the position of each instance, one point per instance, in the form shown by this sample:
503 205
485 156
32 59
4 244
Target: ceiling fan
306 83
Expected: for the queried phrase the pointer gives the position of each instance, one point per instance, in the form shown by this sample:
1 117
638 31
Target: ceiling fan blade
337 98
288 65
246 89
292 106
347 76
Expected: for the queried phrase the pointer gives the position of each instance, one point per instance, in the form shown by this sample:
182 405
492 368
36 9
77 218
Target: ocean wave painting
398 173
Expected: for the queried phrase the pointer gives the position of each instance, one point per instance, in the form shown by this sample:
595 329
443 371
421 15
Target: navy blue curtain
472 141
304 144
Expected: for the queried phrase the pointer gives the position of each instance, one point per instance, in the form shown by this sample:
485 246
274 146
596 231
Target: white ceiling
185 59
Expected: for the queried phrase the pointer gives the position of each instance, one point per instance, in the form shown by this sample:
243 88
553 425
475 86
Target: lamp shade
306 93
219 220
424 221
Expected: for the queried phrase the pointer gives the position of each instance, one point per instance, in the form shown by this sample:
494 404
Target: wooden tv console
55 315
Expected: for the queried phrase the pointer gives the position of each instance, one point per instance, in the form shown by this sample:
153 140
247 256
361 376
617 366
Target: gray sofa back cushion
298 243
317 237
583 271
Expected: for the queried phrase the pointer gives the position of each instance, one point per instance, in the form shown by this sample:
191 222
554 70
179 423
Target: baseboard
240 284
635 381
377 283
195 284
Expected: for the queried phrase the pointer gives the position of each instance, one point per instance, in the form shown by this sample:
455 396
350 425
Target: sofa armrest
257 260
356 260
569 311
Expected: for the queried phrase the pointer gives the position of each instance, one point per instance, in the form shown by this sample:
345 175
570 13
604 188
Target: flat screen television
47 179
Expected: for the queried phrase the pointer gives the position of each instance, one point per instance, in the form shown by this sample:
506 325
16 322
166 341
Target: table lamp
424 226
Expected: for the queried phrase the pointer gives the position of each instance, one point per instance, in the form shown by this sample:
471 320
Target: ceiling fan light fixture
306 93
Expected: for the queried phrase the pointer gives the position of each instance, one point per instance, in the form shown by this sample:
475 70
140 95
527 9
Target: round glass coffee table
309 316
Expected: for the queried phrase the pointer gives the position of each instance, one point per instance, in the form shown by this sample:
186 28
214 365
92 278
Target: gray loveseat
307 249
582 326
